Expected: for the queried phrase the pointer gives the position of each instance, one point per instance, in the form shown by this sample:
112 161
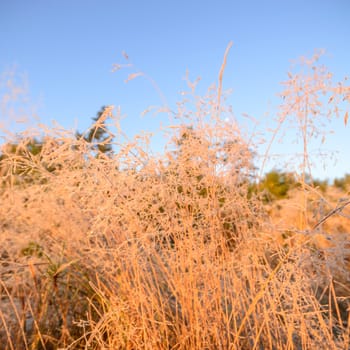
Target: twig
331 213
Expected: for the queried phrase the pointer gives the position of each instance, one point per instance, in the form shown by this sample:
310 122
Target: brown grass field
131 250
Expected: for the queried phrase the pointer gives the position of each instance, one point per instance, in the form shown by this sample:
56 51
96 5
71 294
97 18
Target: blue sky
67 48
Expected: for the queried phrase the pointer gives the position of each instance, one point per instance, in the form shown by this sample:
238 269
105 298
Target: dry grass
136 251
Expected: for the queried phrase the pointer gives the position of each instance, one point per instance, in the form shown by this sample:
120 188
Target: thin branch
336 210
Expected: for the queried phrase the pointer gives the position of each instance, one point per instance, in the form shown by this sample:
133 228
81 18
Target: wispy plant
133 250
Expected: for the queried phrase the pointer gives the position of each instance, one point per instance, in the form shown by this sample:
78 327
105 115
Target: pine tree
99 136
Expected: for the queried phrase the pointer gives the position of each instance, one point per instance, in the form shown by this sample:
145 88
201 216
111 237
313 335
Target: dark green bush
343 182
276 185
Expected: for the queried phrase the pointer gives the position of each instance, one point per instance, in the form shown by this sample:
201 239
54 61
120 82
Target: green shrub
276 185
322 185
343 182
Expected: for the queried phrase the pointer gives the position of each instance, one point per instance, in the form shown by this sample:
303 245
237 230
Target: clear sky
67 48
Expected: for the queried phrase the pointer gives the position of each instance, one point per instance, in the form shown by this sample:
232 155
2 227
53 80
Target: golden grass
136 251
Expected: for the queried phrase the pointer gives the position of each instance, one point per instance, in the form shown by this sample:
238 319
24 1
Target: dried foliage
127 250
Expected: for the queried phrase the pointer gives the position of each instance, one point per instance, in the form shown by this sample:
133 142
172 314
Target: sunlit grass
128 250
